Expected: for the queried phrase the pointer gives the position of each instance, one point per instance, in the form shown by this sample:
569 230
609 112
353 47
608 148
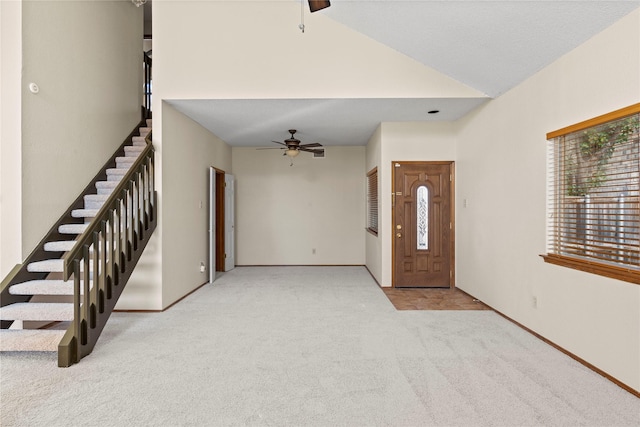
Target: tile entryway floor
432 299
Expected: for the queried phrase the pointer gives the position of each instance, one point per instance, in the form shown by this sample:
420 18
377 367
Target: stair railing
20 272
147 84
104 255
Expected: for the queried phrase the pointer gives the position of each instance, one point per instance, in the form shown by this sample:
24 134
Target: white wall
10 135
423 141
501 172
86 57
180 242
192 150
373 244
285 212
245 50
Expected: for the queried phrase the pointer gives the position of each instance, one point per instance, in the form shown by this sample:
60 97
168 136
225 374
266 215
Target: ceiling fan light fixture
316 5
291 152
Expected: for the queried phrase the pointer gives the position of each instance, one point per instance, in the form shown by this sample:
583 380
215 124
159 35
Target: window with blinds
594 195
372 201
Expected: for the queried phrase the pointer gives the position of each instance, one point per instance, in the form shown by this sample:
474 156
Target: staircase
62 296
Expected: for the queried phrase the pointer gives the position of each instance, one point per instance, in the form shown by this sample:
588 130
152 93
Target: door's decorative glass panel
423 217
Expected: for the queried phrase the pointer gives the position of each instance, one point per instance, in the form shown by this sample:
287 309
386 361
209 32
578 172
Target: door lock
399 227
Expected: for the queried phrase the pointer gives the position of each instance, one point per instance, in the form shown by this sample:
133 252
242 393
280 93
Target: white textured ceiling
257 122
490 46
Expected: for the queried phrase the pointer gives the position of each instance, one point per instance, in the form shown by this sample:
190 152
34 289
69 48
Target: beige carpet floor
309 346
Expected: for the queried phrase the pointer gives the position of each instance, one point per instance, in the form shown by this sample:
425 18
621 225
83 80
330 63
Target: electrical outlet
202 267
313 251
534 301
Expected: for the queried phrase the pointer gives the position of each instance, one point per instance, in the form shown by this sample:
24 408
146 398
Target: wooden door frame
452 240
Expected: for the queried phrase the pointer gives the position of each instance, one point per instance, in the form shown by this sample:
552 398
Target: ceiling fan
293 147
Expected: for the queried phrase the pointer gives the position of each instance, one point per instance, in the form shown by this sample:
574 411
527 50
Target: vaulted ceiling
490 46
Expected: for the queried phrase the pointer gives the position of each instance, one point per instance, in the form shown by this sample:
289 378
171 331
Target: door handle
398 235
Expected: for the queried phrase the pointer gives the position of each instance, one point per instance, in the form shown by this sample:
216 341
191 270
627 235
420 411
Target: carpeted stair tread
125 162
30 339
144 131
72 228
84 213
106 184
106 187
126 159
44 287
46 266
59 246
133 150
114 178
95 198
38 311
139 141
117 171
94 201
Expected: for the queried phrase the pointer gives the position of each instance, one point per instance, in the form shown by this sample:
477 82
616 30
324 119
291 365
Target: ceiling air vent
319 154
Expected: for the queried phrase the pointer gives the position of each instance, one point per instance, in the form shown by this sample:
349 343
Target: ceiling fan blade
270 148
281 143
311 150
313 144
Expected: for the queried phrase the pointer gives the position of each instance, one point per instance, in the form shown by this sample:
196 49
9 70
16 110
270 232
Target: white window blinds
594 193
372 201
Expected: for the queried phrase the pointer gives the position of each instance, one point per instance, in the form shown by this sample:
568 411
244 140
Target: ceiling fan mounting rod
314 6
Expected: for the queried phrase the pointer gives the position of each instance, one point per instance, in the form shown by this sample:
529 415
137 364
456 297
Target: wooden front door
422 224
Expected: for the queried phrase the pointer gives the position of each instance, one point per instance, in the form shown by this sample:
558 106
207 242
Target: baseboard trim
373 277
571 355
300 265
164 309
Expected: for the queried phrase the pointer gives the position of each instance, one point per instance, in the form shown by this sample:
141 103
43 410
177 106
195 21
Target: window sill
611 271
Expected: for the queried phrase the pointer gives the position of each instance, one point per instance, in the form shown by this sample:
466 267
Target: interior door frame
216 222
452 196
229 223
212 224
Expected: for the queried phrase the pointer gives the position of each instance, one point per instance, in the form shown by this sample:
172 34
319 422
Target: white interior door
229 222
212 224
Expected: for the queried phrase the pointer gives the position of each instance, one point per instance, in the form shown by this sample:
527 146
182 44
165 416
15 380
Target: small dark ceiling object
433 111
315 5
